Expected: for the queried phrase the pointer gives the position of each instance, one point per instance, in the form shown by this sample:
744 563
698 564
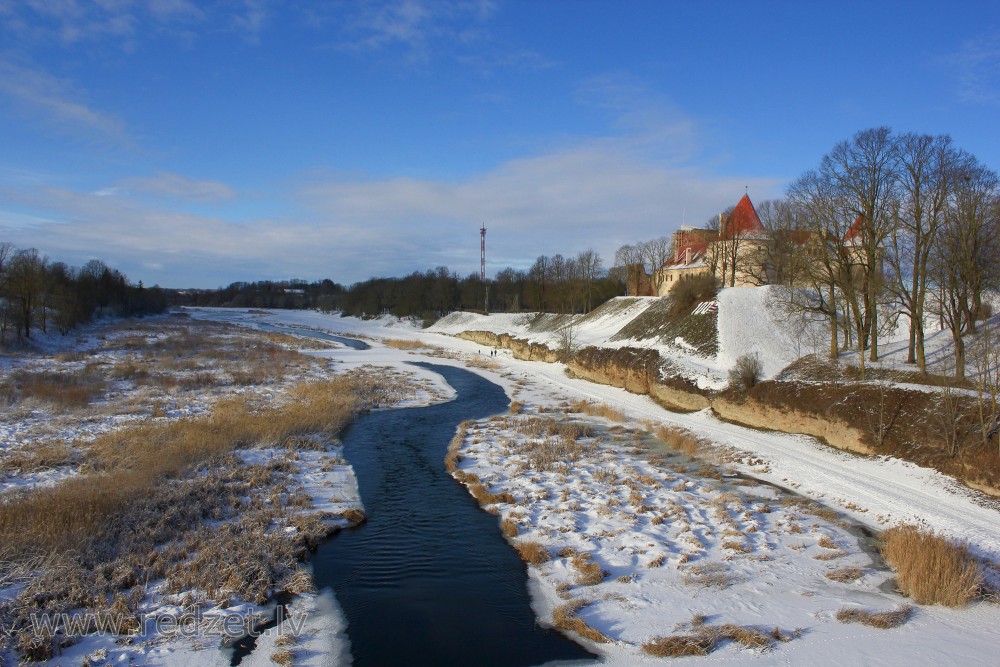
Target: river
429 579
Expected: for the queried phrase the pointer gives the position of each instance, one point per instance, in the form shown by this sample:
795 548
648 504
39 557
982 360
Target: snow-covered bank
644 544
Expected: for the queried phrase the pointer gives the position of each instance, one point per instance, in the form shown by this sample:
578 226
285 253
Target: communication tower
482 258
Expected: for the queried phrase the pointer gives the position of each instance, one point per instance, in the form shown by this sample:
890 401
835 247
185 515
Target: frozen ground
788 590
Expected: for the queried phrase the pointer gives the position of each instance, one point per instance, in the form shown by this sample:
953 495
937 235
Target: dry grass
554 445
565 617
678 646
532 553
710 575
516 407
599 410
588 573
35 457
679 439
509 527
827 543
453 458
63 391
537 426
482 362
131 462
707 638
876 619
846 574
283 657
402 344
931 569
485 497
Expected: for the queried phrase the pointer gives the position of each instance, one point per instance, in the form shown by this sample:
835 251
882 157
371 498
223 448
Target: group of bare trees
642 261
567 284
36 294
889 224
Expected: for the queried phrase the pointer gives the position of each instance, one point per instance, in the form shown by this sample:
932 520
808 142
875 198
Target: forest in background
37 294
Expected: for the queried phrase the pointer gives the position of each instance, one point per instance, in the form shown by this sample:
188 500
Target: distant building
730 253
688 257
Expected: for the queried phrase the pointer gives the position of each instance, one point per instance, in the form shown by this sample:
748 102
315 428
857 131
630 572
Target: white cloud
58 102
589 197
978 69
590 193
415 25
252 20
165 184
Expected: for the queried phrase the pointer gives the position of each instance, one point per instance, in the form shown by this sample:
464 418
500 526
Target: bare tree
928 167
656 253
966 257
818 209
26 282
6 311
985 353
591 269
782 258
629 261
538 276
863 173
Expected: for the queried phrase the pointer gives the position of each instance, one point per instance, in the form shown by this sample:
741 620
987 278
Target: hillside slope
702 347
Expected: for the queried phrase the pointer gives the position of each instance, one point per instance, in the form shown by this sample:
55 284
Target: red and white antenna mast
482 259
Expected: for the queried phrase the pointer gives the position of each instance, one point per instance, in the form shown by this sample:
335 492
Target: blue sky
193 144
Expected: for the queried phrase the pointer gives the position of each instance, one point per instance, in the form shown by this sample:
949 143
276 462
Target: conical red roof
855 230
743 221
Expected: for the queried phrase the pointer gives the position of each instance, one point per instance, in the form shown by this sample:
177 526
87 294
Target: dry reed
931 569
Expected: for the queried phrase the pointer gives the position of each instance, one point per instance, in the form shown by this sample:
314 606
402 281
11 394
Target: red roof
855 230
693 240
743 220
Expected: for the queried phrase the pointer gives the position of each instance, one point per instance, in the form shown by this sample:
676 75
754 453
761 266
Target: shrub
746 373
931 569
691 290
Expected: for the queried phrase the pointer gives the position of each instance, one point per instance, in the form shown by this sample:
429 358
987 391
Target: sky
196 144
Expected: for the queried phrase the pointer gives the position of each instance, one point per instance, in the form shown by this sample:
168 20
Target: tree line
318 295
38 294
553 283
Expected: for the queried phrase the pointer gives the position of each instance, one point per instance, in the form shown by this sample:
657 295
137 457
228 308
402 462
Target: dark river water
428 579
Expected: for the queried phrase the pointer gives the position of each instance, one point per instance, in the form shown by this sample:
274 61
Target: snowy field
775 574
